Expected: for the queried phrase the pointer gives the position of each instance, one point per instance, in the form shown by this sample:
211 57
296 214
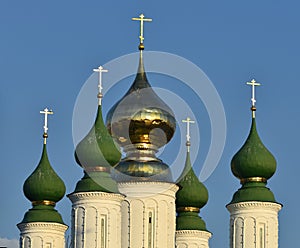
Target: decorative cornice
94 195
194 233
172 186
43 225
253 205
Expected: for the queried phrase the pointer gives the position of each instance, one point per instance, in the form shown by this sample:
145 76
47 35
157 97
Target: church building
132 201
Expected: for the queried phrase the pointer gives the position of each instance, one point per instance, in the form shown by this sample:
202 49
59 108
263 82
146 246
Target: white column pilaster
151 215
42 235
254 224
96 220
192 239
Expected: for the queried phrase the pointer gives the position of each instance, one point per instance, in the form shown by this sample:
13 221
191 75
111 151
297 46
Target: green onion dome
44 188
44 183
190 198
97 153
253 159
253 164
97 149
141 123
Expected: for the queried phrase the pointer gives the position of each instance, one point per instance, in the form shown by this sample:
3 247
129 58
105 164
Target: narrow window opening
150 230
261 235
103 231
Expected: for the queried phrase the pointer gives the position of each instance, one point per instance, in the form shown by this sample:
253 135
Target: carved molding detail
42 225
254 204
172 186
194 233
95 195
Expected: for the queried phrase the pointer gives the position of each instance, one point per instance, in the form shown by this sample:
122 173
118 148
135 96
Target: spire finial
188 121
142 20
46 112
253 83
100 95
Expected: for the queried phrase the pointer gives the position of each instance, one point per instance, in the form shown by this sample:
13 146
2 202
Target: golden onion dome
141 123
140 116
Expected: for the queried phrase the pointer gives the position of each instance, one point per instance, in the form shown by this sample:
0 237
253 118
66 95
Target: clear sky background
49 48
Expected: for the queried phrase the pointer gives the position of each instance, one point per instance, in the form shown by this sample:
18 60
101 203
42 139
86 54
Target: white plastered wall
149 215
192 239
42 235
96 220
254 224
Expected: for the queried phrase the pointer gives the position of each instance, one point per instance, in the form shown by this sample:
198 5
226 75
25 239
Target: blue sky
48 50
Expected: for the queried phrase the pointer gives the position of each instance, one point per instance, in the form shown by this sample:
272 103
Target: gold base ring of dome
44 202
254 179
96 169
140 146
188 209
141 152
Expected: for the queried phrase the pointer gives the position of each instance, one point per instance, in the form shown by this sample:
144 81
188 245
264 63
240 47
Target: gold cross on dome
188 121
46 112
142 20
100 69
253 83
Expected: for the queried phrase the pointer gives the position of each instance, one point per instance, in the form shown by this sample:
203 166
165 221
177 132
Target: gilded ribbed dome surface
141 116
44 184
253 159
141 123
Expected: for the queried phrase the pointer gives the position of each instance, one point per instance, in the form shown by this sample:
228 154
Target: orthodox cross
188 121
142 20
100 70
253 83
46 112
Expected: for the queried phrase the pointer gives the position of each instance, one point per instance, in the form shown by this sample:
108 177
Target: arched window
151 229
103 231
261 235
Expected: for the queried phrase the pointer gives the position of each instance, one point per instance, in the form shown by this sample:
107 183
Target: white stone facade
42 235
149 215
192 239
96 220
254 224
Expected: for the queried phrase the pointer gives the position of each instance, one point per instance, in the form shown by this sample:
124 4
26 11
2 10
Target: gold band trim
97 169
188 209
253 179
44 202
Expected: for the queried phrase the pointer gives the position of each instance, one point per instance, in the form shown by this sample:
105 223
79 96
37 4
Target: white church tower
253 208
192 195
42 226
96 201
142 123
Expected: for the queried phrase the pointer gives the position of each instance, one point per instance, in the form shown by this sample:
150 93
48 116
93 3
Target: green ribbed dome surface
253 164
96 153
253 191
191 193
97 182
44 183
97 148
253 159
43 188
42 213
